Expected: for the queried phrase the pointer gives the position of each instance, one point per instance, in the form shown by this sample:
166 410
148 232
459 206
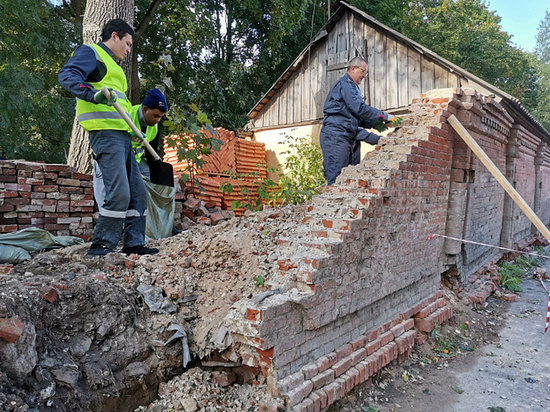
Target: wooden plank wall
398 73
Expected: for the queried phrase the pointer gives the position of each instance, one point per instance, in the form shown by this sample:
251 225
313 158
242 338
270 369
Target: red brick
267 353
373 335
424 325
360 342
6 268
50 295
327 223
373 347
286 264
323 379
316 399
252 314
11 329
386 338
305 406
310 371
358 356
397 330
427 311
342 366
324 399
299 394
408 324
327 361
343 351
224 378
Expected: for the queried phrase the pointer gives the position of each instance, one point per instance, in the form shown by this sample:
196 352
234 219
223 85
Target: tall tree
225 53
98 12
35 119
542 64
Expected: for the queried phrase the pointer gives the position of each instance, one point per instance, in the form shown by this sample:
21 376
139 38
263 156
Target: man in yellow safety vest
90 67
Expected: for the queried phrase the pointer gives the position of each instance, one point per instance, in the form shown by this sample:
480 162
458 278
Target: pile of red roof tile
237 166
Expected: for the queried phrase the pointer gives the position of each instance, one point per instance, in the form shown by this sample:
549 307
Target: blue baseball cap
155 100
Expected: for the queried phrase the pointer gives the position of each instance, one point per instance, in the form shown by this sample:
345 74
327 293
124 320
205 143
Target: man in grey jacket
345 120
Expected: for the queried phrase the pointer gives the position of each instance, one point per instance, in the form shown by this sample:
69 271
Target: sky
520 19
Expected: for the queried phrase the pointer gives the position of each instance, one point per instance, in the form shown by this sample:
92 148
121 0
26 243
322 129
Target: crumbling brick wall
367 271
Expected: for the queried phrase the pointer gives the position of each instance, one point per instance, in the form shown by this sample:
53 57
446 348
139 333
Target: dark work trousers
337 152
125 197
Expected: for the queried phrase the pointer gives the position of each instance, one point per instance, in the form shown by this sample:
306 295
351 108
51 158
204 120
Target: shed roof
510 103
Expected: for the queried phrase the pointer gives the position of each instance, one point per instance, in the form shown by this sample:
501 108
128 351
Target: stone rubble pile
199 390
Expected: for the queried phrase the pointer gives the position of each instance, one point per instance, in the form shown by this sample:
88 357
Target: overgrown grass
512 272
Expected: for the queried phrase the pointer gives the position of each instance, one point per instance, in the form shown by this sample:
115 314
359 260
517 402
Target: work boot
140 250
97 249
175 231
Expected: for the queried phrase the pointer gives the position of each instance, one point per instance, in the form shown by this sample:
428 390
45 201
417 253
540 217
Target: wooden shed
399 71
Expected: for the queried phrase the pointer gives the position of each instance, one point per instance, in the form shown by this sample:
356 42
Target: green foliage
510 274
226 53
260 280
303 172
462 31
37 116
190 130
444 346
540 99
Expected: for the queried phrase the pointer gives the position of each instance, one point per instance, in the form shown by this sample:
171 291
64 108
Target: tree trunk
97 14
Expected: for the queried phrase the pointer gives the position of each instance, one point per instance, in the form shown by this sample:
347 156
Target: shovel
162 173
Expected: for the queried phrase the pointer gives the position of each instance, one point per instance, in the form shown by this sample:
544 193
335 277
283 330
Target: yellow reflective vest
150 133
92 116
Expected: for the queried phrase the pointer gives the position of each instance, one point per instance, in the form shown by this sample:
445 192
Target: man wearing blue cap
146 116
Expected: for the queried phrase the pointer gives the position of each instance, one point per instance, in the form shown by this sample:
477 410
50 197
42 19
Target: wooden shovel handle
127 119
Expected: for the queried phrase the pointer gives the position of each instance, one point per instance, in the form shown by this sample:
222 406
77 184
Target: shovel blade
162 173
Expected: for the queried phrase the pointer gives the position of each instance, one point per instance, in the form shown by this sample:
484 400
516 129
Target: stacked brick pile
48 196
238 163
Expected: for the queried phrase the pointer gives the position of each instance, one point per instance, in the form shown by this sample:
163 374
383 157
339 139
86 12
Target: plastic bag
160 210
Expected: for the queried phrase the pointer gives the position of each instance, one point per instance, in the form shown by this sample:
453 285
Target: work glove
100 98
136 138
381 127
395 121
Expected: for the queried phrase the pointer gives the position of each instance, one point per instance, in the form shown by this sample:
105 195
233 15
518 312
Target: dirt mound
96 330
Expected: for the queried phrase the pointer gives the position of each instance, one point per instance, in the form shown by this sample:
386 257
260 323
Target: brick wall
367 271
47 196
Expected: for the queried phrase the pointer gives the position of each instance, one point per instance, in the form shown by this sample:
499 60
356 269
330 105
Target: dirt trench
98 333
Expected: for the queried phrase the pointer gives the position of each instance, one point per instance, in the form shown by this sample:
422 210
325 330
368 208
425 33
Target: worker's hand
381 126
100 98
136 138
394 121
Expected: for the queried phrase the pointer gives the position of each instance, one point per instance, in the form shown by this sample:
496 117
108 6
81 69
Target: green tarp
17 246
